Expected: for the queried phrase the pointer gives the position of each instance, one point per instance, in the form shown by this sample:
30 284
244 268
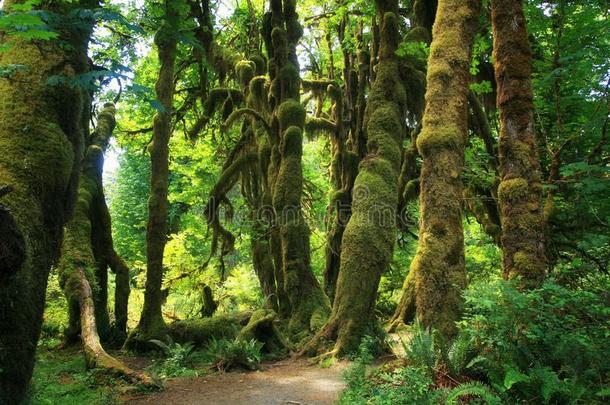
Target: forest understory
298 202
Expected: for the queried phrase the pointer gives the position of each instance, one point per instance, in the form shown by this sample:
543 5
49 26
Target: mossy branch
237 114
315 125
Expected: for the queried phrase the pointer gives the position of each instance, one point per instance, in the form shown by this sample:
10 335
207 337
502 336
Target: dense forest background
255 178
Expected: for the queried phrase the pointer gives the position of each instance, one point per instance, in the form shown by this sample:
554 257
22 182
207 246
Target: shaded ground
285 382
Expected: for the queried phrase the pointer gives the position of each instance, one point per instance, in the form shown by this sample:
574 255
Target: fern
421 349
177 356
459 355
473 388
224 354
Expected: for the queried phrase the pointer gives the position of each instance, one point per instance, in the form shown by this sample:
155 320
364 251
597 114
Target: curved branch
237 114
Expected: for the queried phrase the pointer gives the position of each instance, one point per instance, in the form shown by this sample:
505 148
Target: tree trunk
264 269
42 129
369 237
439 261
309 305
152 325
424 13
79 263
520 189
106 257
121 294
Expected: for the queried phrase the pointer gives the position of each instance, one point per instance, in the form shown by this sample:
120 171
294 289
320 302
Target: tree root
95 355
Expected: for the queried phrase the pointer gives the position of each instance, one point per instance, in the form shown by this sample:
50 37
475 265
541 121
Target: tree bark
439 269
152 325
42 128
520 189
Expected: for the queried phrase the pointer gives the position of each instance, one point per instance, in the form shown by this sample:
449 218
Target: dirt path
285 382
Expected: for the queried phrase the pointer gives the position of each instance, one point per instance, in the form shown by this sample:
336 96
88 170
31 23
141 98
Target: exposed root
95 355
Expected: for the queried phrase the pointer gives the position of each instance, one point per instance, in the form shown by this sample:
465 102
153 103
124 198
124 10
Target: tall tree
84 258
439 268
166 40
424 12
42 127
369 236
282 31
520 189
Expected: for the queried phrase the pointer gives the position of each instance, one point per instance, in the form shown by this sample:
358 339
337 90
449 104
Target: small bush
225 354
177 357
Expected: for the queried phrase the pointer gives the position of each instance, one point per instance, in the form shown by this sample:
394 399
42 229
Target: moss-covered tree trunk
42 127
439 261
308 303
369 237
520 189
94 241
151 323
121 294
82 253
424 13
348 115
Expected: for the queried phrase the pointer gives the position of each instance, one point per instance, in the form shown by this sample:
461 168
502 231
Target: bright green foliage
401 385
549 343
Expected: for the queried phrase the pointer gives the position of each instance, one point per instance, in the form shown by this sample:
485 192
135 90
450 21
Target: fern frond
473 388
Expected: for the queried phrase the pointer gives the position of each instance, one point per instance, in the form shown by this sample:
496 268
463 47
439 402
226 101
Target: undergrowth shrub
388 385
177 357
546 345
226 354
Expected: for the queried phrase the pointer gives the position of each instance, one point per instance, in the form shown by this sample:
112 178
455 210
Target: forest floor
289 381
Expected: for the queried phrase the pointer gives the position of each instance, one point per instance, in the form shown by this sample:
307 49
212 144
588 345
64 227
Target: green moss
291 82
201 331
438 137
439 262
41 136
291 113
245 70
279 39
513 189
260 63
315 125
368 239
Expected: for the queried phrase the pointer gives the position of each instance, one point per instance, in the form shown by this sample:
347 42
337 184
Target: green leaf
514 376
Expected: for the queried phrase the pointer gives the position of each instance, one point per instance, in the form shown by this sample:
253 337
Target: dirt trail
285 382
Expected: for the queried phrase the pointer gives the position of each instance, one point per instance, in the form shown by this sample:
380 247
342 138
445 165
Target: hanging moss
439 261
